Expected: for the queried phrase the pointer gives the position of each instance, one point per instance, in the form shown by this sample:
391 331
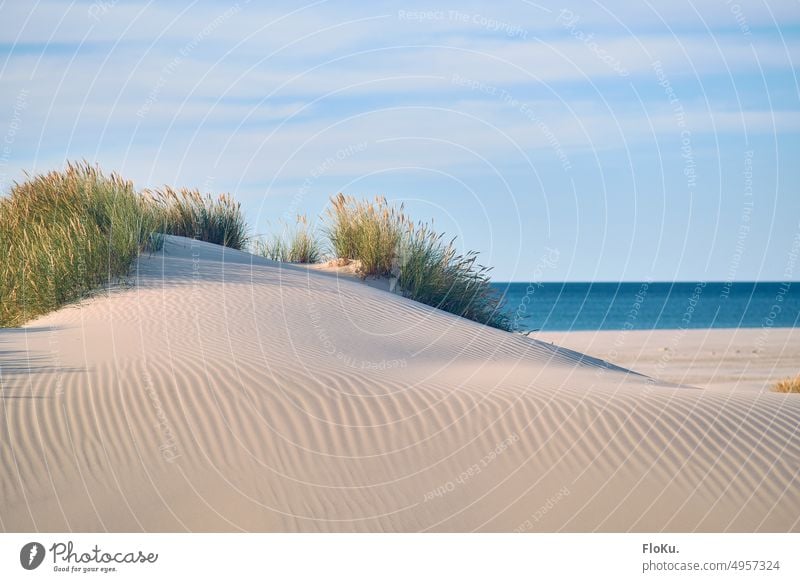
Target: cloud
199 83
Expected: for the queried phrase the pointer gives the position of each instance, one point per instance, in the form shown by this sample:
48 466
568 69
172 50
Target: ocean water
650 305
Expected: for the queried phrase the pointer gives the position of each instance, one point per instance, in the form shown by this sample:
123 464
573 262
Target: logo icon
31 555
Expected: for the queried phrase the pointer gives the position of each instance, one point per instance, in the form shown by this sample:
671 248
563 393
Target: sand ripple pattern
222 392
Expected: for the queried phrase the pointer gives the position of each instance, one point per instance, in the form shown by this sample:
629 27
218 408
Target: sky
569 141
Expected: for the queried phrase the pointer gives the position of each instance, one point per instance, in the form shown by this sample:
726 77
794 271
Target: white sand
227 393
749 360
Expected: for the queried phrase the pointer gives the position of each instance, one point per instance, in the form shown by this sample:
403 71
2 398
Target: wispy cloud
257 97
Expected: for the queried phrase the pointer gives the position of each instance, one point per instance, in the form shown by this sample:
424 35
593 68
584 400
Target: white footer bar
389 557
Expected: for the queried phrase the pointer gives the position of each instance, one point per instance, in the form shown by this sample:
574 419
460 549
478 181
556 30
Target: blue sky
640 140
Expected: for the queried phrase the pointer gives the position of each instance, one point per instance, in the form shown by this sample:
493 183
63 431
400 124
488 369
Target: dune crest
225 392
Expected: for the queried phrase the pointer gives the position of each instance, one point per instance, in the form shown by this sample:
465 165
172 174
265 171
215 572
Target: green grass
788 385
427 268
370 232
188 213
431 271
297 245
65 233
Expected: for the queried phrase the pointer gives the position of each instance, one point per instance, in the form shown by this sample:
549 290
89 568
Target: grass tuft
425 267
297 245
367 231
788 385
188 213
431 271
65 233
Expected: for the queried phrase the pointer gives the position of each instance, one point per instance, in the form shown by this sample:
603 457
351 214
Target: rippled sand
224 392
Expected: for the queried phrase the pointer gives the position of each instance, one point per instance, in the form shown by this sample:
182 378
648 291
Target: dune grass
299 244
367 231
788 385
426 268
432 271
188 213
65 233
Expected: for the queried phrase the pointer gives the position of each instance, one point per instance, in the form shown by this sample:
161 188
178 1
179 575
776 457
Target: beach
219 391
740 360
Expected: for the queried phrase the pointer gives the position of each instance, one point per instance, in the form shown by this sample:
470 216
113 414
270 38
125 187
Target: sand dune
225 392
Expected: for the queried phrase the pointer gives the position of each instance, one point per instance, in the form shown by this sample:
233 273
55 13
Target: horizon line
586 282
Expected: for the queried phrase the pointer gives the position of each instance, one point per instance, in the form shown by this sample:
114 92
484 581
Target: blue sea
650 305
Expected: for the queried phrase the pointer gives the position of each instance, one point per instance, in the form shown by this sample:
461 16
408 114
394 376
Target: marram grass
65 233
366 231
431 271
296 245
188 213
425 267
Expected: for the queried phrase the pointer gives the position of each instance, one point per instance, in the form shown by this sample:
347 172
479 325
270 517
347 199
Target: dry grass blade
788 385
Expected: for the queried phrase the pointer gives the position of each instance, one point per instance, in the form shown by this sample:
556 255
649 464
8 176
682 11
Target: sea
650 305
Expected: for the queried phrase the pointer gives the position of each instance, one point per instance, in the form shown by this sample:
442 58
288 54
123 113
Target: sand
223 392
742 360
